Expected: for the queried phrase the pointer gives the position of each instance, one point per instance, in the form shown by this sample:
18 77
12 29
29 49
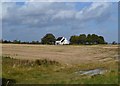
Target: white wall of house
63 41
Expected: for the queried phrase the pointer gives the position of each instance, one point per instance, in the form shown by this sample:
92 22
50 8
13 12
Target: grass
44 71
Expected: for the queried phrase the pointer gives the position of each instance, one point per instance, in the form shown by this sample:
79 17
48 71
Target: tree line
75 39
19 42
87 39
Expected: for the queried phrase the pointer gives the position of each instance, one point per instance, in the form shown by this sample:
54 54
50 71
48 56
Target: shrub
45 62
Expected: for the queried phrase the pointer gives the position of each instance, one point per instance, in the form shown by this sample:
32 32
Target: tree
94 39
35 42
48 39
74 39
6 41
16 41
82 39
114 42
101 40
89 39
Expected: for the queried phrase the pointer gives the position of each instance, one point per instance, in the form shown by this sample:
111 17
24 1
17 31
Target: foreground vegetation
52 72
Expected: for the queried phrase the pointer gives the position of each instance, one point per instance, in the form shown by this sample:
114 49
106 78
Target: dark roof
59 38
62 40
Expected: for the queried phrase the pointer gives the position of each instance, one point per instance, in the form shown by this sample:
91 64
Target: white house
61 41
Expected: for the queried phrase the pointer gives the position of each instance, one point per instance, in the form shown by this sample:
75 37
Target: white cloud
6 7
64 14
36 15
94 11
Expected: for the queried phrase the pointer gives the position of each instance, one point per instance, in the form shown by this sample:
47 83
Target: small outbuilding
61 41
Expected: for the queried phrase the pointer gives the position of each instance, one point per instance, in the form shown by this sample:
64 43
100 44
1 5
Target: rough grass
31 72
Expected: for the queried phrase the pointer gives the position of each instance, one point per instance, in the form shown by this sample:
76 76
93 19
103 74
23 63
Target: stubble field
66 54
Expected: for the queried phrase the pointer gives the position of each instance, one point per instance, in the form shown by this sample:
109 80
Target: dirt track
66 54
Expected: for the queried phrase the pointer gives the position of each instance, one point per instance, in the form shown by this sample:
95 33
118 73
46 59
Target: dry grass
68 54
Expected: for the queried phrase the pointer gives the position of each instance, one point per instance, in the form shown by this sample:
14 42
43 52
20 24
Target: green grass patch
52 72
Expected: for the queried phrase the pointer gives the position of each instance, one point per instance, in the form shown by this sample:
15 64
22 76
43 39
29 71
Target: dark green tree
16 41
74 39
114 42
48 39
94 39
82 39
89 39
101 40
35 42
5 41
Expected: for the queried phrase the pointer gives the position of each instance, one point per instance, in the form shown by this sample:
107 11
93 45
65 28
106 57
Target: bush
45 62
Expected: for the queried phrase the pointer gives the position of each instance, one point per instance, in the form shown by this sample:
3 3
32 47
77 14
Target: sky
28 21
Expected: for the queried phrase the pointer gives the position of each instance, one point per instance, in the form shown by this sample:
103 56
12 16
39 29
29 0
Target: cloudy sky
29 21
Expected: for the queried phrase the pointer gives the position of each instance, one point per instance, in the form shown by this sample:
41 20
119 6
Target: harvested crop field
67 54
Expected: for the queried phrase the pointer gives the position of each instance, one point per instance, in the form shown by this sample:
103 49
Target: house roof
59 38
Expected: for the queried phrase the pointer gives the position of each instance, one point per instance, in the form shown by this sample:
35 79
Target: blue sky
29 21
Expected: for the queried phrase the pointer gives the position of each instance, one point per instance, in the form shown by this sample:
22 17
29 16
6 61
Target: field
50 64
